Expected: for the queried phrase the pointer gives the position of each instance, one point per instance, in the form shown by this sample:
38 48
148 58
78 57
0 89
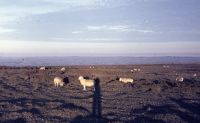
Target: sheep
166 66
63 69
126 80
42 68
86 82
135 70
195 75
58 81
91 67
179 79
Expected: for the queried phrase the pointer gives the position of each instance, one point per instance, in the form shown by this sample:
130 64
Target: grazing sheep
179 79
86 82
58 81
165 66
126 80
42 68
136 70
195 75
91 67
63 69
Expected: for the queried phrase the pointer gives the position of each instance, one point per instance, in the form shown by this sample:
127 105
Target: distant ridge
79 60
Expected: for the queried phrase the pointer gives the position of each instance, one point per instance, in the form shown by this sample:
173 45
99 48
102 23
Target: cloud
10 14
73 3
86 39
6 30
7 18
77 32
118 28
93 3
11 10
96 27
134 21
121 28
145 31
101 39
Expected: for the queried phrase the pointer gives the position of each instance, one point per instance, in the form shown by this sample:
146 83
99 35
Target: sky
99 27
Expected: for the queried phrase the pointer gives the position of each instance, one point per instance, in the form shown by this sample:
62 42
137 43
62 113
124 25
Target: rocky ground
28 95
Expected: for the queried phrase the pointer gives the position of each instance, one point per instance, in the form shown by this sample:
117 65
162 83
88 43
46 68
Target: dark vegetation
28 95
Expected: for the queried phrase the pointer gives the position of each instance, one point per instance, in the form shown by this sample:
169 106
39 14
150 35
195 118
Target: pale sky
99 27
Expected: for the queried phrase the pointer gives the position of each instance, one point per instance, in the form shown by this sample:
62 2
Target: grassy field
28 95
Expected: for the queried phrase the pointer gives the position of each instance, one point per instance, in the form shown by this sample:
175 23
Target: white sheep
63 69
91 67
195 75
86 82
42 68
126 80
166 66
58 81
136 70
179 79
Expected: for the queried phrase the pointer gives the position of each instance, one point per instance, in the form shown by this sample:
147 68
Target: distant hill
73 60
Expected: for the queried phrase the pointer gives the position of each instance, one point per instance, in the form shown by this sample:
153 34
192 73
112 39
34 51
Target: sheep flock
58 81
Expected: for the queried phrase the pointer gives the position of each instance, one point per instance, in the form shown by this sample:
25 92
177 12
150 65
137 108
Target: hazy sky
99 27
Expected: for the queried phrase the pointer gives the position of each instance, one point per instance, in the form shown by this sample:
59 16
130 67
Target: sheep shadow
117 78
66 80
190 114
142 79
96 115
110 81
86 77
